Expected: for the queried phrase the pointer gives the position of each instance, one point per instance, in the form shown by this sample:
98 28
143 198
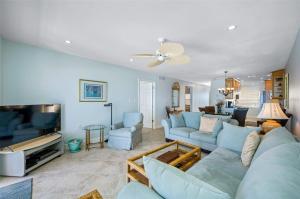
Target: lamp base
269 125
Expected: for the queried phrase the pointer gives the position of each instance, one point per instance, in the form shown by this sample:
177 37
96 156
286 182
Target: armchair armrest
137 127
135 190
117 125
166 123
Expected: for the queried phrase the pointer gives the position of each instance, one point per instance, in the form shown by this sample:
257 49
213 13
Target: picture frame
92 91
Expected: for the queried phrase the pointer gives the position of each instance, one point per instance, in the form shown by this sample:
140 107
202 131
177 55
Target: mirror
175 94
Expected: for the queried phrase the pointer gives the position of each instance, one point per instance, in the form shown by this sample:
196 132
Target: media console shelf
19 159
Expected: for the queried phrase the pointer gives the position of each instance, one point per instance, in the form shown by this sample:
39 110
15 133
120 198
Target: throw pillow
249 148
172 183
208 124
177 121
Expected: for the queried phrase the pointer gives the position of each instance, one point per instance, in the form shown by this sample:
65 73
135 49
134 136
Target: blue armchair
127 134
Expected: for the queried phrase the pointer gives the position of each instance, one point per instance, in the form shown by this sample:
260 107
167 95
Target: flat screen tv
24 122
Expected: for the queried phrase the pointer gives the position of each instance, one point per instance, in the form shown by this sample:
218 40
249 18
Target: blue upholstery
172 183
192 119
222 169
202 136
182 131
135 190
233 137
127 134
177 121
275 174
272 139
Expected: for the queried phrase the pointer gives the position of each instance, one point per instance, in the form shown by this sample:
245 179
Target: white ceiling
112 30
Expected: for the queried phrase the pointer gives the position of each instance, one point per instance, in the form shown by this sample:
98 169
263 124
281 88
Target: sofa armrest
117 125
135 190
166 123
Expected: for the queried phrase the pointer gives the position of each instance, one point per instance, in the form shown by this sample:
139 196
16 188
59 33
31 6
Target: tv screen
24 122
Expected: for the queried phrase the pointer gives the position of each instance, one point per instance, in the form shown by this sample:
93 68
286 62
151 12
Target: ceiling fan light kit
168 52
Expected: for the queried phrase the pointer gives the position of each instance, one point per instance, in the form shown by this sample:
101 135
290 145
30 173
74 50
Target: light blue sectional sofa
274 172
188 129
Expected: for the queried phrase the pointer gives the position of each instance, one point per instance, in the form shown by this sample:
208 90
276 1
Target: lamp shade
271 110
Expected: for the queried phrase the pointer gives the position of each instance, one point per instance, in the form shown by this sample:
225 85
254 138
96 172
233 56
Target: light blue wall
1 83
35 75
293 68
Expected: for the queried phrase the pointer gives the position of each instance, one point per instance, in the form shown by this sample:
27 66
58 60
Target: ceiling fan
168 52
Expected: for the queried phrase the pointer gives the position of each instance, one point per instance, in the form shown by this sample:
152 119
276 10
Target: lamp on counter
271 111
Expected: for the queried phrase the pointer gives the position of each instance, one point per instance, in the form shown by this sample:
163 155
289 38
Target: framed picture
92 91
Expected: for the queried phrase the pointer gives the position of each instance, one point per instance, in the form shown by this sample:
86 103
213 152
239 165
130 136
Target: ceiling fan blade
171 49
181 59
144 55
155 63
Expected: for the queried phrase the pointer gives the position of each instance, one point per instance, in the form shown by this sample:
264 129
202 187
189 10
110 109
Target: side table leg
101 138
87 139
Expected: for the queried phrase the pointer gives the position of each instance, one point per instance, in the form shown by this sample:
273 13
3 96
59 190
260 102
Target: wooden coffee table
178 154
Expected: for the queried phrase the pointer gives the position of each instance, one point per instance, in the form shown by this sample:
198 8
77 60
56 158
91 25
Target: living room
218 67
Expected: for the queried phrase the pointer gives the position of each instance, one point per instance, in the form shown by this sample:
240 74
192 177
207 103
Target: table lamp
271 111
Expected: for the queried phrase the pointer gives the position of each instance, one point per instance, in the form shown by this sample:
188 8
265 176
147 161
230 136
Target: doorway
146 102
188 98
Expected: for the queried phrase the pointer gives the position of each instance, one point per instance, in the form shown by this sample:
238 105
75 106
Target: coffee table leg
102 138
87 139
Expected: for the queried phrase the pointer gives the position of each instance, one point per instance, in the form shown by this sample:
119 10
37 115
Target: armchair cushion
131 119
118 125
122 132
177 121
171 182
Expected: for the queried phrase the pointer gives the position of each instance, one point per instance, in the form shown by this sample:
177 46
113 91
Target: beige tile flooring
72 175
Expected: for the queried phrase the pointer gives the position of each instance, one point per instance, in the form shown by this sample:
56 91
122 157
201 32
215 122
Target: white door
146 104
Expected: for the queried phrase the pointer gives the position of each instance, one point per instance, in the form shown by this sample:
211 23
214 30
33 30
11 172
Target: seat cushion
203 136
222 169
272 139
172 183
122 132
192 119
275 174
233 137
177 121
183 131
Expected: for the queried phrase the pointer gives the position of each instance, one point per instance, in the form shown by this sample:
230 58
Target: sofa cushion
222 169
183 131
208 124
203 136
122 132
192 119
177 121
135 190
275 174
233 137
172 183
272 139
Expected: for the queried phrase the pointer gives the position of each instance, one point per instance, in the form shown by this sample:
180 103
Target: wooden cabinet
268 85
278 84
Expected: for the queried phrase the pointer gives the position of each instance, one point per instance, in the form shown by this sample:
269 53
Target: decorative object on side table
92 91
94 127
183 156
271 111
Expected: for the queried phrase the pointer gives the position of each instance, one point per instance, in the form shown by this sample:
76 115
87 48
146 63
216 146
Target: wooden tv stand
21 158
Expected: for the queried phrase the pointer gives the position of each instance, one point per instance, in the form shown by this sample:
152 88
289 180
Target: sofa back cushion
272 139
192 119
131 119
177 121
172 183
233 137
274 175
